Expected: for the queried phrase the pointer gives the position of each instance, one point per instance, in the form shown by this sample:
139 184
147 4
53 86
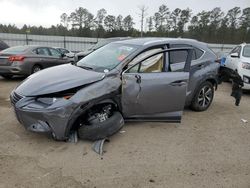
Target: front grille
15 97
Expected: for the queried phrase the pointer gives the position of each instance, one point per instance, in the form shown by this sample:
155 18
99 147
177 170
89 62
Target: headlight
245 65
45 102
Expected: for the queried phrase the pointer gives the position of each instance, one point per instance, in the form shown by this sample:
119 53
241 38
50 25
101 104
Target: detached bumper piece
226 74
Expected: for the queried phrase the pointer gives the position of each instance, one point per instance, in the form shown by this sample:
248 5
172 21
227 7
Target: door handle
178 83
138 78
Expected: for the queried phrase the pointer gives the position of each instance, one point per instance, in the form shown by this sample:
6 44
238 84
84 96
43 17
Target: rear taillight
16 58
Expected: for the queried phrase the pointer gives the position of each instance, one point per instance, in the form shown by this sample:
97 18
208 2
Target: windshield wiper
85 67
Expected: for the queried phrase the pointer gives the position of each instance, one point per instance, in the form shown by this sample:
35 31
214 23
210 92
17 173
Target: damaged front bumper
53 119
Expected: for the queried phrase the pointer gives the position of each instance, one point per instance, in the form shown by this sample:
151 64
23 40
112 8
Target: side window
239 50
149 65
235 50
177 57
198 53
54 52
143 55
152 64
42 51
64 51
177 60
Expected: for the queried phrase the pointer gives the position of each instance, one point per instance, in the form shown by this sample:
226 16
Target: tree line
214 26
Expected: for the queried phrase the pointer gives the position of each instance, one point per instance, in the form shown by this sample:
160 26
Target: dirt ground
208 149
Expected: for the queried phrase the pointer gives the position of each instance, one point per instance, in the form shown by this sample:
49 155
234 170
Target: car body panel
155 94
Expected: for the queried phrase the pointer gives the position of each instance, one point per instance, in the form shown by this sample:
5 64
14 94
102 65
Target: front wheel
203 97
99 130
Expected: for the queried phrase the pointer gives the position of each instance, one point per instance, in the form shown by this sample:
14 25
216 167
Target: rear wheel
7 76
35 69
204 97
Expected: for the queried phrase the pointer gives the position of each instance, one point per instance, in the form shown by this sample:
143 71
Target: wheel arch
82 109
211 79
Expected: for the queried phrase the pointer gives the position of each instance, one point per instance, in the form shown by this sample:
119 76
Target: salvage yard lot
208 149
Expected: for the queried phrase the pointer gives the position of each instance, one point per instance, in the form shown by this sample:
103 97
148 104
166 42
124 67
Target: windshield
15 50
246 51
107 57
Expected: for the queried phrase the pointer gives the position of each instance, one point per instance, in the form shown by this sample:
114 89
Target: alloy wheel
205 96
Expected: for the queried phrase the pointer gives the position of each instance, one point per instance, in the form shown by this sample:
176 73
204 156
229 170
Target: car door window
42 51
235 50
197 53
55 53
177 58
152 64
239 50
140 57
63 51
149 65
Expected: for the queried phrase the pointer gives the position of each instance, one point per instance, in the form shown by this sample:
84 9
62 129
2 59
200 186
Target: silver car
146 79
26 60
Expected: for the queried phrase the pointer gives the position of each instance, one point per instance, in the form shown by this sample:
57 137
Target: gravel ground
208 149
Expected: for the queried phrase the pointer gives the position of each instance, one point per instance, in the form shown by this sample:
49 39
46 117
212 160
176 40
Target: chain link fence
71 43
78 43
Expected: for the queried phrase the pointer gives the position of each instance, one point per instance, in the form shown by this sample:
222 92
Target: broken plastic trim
228 74
98 146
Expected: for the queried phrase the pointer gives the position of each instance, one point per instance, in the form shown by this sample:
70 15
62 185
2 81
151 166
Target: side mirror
235 55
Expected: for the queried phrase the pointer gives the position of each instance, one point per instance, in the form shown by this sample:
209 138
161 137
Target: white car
239 60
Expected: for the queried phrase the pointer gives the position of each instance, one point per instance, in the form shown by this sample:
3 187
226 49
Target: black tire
203 97
8 77
103 129
35 69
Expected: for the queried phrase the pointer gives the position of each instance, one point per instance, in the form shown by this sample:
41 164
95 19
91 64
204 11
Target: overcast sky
47 12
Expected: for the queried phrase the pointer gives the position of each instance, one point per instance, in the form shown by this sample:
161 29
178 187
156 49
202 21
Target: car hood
56 79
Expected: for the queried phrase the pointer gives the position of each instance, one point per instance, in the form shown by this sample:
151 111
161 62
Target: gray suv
146 79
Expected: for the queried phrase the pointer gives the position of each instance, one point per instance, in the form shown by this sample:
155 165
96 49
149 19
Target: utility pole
26 36
142 15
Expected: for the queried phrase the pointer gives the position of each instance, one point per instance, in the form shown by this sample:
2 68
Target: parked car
3 45
70 55
98 45
146 79
239 60
26 60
